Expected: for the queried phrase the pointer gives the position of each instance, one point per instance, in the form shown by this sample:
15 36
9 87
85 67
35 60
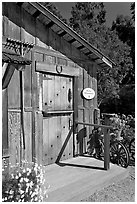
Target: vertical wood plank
64 134
85 81
75 102
86 138
90 81
14 91
95 85
14 137
14 30
57 93
33 102
28 136
5 119
91 119
45 94
27 36
80 132
40 90
58 135
52 140
28 83
51 91
85 111
63 93
34 99
80 112
39 136
75 98
80 86
5 27
70 153
45 140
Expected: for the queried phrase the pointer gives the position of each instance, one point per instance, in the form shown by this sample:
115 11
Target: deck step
76 179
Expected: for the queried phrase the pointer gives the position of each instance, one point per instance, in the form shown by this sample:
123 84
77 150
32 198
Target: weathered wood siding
18 24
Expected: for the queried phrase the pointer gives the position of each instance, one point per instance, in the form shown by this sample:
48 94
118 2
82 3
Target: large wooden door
57 118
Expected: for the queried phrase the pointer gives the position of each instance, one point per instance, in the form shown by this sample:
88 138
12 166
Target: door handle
70 123
69 95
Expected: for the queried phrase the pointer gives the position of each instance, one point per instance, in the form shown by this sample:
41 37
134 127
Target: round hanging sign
88 93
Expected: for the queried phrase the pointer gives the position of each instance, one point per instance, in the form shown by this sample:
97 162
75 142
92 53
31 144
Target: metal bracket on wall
18 46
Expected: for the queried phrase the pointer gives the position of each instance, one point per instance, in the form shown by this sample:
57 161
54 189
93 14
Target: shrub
24 184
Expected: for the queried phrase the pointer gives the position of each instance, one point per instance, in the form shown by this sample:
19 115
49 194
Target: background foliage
116 86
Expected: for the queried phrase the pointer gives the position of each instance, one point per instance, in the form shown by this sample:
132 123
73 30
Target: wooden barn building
49 81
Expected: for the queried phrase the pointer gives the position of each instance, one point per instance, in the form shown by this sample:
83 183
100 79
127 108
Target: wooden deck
75 179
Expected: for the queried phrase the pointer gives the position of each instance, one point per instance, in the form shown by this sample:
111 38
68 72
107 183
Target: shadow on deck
75 179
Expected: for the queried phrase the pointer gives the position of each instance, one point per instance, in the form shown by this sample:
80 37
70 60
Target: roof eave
105 60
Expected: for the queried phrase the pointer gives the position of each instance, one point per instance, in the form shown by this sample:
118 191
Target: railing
106 141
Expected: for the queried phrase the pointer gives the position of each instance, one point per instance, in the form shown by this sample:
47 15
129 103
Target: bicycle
129 141
119 153
132 148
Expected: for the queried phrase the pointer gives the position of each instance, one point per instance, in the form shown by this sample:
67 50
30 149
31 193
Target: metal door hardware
69 95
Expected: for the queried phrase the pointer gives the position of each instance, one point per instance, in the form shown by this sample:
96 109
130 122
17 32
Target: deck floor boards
77 178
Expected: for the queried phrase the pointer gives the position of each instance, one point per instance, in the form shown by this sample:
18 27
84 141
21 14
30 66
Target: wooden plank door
57 118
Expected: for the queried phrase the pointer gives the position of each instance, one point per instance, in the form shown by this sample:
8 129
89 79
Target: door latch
70 123
69 95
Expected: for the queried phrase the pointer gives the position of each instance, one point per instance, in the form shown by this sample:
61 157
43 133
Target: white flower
26 179
24 170
28 169
21 180
33 194
36 199
21 191
22 195
19 174
11 192
4 199
31 183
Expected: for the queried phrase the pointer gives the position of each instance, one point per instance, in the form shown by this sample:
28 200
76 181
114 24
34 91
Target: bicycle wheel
132 148
119 154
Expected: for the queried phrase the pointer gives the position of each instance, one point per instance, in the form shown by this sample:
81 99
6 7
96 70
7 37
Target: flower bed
24 183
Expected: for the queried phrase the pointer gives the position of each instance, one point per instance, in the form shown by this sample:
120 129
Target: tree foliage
125 29
52 8
88 19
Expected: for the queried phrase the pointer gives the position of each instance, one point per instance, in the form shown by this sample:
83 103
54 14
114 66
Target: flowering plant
25 183
123 126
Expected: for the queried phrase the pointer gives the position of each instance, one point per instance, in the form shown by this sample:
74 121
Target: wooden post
106 149
5 150
5 119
